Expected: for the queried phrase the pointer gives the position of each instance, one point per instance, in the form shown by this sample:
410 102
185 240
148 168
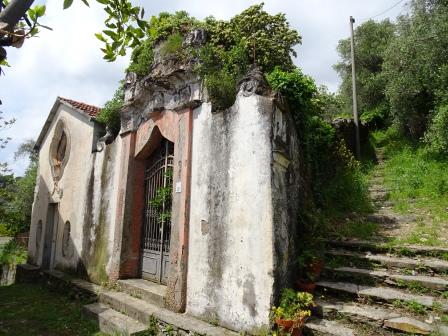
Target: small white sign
178 187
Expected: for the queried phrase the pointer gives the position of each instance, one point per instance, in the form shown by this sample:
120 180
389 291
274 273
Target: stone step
379 195
406 249
430 282
381 218
316 327
87 286
113 322
143 311
375 316
145 290
377 187
436 265
383 294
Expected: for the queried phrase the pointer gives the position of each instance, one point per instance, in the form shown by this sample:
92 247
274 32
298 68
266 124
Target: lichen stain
95 255
249 297
205 227
217 203
87 224
98 260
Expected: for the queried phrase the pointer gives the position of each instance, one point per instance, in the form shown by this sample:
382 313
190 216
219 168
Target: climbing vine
333 183
162 199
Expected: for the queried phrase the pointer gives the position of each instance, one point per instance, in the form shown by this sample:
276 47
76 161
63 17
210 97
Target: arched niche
152 143
59 149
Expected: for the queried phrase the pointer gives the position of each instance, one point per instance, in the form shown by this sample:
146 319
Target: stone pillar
119 267
177 282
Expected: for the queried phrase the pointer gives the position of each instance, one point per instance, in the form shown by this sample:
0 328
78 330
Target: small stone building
204 202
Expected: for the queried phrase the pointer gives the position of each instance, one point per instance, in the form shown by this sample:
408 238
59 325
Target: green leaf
111 34
32 14
100 37
67 3
86 3
40 11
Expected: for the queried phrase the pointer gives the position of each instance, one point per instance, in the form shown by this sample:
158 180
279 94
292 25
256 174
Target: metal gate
157 218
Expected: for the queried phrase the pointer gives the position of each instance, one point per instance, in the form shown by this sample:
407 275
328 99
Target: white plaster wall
233 224
76 172
72 196
113 188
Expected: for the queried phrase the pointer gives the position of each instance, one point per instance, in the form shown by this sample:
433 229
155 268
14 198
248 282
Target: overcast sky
67 61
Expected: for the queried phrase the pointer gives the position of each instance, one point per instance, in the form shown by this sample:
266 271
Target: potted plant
292 312
310 268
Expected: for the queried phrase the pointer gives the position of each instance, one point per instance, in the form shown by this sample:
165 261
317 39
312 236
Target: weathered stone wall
286 192
235 208
85 197
237 180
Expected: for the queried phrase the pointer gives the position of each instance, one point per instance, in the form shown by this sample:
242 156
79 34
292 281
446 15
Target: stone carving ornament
195 38
107 139
253 83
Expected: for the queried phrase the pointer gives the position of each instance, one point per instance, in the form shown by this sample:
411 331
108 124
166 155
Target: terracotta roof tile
89 109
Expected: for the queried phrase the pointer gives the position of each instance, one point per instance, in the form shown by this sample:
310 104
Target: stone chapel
200 202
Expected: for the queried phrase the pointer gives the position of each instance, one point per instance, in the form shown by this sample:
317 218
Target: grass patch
414 286
356 229
27 309
342 261
417 183
412 306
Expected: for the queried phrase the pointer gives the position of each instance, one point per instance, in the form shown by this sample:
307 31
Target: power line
384 12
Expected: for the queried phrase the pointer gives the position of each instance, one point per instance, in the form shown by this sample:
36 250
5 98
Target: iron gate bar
157 226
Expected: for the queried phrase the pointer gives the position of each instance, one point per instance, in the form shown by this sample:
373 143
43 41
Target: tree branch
12 13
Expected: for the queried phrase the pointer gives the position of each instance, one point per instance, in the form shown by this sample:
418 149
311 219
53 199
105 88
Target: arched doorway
156 231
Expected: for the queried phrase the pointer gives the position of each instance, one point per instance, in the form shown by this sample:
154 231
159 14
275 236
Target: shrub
17 195
142 58
172 45
110 113
268 38
221 71
436 137
293 305
13 254
167 26
376 117
254 36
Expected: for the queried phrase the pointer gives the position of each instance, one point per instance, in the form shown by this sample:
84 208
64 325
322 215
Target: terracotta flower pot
304 286
287 326
315 267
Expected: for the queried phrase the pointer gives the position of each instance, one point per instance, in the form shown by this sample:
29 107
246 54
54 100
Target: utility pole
355 103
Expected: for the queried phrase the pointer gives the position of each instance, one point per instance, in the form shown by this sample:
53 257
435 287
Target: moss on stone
99 258
97 265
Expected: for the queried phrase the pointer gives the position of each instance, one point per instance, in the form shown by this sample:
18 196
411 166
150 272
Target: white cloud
67 61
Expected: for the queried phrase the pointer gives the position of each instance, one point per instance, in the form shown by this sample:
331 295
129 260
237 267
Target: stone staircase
136 307
383 292
376 288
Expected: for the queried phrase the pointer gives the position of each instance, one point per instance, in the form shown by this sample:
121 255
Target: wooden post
355 104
